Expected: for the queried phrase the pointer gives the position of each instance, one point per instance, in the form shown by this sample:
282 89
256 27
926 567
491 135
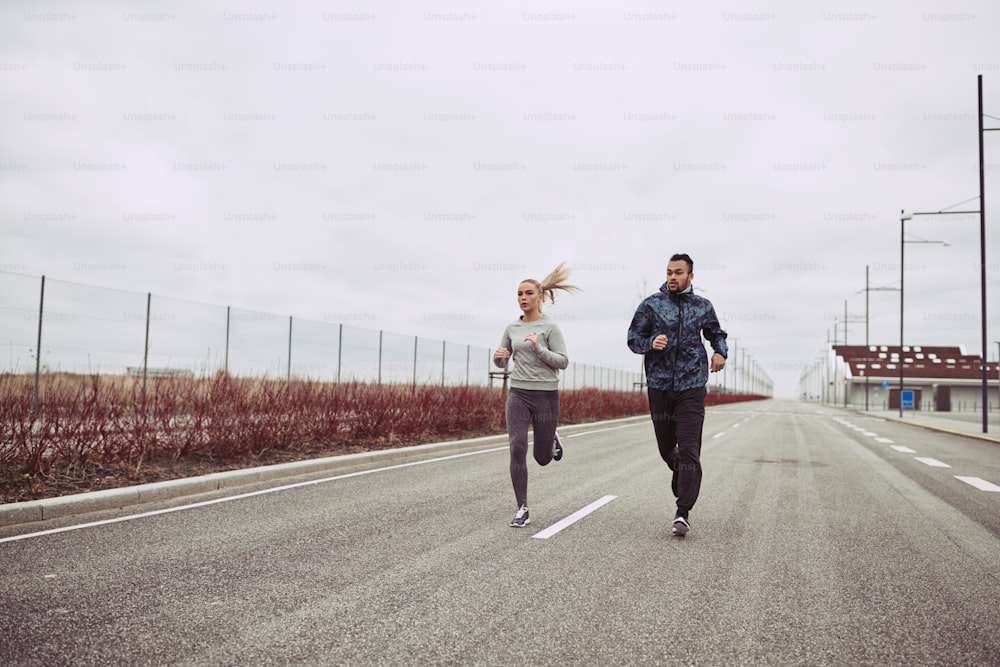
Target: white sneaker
521 519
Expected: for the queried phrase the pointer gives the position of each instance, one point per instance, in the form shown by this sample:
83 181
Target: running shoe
520 519
557 448
681 526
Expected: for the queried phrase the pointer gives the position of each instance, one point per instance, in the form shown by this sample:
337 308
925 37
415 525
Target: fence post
226 363
38 349
443 345
468 353
340 349
288 378
380 356
416 339
145 354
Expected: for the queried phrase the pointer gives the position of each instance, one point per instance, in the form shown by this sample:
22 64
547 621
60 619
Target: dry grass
90 432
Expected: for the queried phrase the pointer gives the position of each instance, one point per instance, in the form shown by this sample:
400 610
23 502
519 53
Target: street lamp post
847 365
982 253
982 291
903 217
902 245
868 370
867 290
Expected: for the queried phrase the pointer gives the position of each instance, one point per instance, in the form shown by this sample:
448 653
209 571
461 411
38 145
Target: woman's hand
533 339
502 353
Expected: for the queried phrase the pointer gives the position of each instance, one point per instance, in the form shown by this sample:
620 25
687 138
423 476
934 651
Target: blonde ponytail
556 280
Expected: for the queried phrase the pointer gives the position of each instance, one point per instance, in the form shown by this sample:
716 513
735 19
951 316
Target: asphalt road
816 541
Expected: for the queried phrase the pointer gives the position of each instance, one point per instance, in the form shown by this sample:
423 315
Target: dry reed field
91 432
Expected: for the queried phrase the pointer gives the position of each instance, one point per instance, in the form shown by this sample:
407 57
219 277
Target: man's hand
718 362
660 342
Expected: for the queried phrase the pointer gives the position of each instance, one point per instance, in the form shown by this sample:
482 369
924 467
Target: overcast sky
402 166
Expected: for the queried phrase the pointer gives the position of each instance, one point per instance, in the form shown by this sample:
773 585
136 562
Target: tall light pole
903 217
847 364
982 250
982 281
867 318
902 245
982 243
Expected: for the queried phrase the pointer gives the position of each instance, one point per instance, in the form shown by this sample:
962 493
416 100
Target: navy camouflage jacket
683 318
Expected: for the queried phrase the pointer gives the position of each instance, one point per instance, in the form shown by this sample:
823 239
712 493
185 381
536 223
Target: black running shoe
557 448
681 526
520 519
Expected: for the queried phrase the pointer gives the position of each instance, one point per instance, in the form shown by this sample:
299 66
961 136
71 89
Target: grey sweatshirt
534 369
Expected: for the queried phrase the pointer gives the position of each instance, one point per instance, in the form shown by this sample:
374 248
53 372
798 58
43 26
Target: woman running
536 345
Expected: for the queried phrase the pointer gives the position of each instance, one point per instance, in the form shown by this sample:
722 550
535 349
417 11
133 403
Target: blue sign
885 384
907 397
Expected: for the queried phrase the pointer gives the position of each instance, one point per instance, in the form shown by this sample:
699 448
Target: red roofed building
943 378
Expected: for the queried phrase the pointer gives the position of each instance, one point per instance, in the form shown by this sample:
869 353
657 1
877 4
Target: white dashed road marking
980 484
976 482
934 463
573 518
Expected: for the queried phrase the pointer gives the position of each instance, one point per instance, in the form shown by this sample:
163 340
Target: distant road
822 537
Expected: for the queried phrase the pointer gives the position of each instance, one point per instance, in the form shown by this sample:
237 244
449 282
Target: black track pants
678 417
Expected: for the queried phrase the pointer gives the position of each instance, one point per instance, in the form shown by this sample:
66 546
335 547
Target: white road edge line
934 463
216 501
251 494
573 518
979 483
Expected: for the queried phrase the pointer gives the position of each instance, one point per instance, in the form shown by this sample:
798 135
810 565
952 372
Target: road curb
111 499
932 427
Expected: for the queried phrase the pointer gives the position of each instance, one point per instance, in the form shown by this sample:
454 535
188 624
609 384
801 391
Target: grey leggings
541 409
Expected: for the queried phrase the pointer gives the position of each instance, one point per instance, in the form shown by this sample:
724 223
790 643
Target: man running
667 329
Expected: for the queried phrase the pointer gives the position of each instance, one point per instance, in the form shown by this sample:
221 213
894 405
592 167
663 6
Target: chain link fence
57 326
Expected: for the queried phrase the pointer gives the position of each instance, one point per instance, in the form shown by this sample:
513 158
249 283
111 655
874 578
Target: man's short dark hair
683 257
